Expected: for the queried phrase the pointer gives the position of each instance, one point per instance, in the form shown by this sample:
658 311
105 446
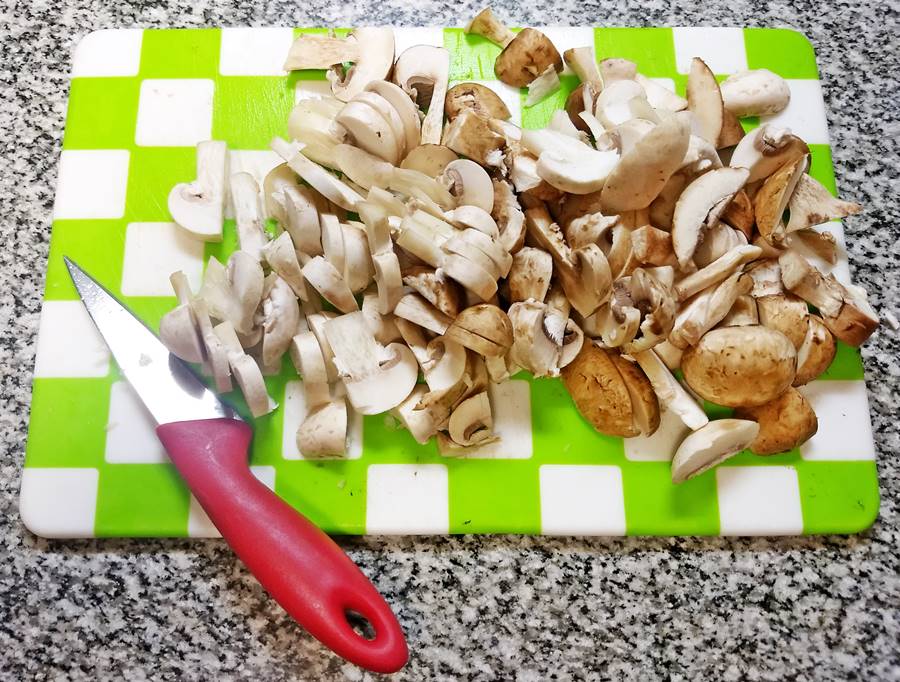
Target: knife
299 565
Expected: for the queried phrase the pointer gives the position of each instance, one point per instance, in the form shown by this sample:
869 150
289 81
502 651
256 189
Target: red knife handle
298 564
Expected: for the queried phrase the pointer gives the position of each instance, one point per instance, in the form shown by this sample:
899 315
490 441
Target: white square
759 500
199 525
582 499
805 114
174 112
153 251
294 414
661 446
109 52
59 502
407 499
845 427
68 343
408 36
569 37
131 430
91 183
312 90
257 162
721 48
254 51
511 407
512 97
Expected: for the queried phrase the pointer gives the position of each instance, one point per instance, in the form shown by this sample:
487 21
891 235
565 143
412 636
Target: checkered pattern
139 102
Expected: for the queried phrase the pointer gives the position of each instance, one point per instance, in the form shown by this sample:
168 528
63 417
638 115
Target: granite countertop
472 607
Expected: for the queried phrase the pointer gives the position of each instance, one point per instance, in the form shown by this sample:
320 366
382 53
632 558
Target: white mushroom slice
711 445
248 214
405 109
178 328
430 159
643 171
376 57
469 184
716 271
377 227
591 228
717 241
706 309
486 24
499 257
671 394
383 326
363 168
530 274
320 179
198 206
471 275
626 135
445 363
561 123
280 317
755 93
766 276
472 136
567 164
308 360
316 322
705 101
669 354
302 220
615 69
423 72
282 258
509 216
766 149
358 268
617 330
542 86
417 310
497 368
612 107
216 352
327 280
234 293
659 96
310 51
419 423
583 62
474 217
333 241
370 130
695 203
423 237
324 431
471 422
811 204
532 347
275 183
418 185
390 114
245 371
377 378
311 123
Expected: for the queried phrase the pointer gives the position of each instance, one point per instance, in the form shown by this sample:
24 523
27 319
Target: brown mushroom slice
857 320
732 132
526 57
423 71
487 25
599 392
739 214
705 101
662 208
470 135
441 292
740 366
802 278
483 328
376 57
429 159
644 404
643 171
766 276
811 204
772 199
659 96
671 394
785 423
815 353
711 445
766 149
582 99
706 309
695 203
721 268
785 313
530 274
476 96
758 92
744 312
417 310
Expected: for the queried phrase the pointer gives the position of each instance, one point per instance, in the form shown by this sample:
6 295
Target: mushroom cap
475 96
483 328
740 366
526 57
445 365
710 445
758 92
815 353
785 313
785 423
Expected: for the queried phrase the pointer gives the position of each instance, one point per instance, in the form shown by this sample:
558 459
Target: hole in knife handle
360 624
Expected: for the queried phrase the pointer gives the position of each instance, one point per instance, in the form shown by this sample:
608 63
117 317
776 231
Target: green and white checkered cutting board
139 102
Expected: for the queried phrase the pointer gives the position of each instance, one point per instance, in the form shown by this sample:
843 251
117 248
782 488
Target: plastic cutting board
139 102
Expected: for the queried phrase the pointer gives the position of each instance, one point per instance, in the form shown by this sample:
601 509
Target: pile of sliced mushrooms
422 234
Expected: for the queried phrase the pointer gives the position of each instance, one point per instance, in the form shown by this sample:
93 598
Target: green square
150 309
68 422
330 493
102 113
847 364
781 50
248 111
472 57
494 496
656 506
386 442
821 166
182 53
652 49
538 115
96 245
152 173
141 500
561 435
838 497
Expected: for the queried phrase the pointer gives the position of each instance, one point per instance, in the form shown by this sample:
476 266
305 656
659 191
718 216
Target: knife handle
298 564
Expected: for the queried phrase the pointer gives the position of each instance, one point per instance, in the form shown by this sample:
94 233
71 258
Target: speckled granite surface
473 608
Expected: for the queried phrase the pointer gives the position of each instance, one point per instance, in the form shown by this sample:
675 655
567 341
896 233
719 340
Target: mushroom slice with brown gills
178 328
477 97
324 431
695 203
599 391
815 353
705 101
308 360
656 304
377 378
530 274
758 92
706 309
526 57
711 445
483 328
772 199
311 51
644 404
740 366
671 394
471 422
429 159
469 184
785 423
643 171
811 204
376 57
443 293
245 372
739 214
198 207
766 149
785 313
509 216
487 25
471 135
422 71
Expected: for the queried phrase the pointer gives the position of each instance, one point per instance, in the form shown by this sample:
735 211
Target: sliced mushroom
423 71
469 184
417 310
671 394
616 69
811 204
655 302
311 51
652 246
732 131
215 351
245 371
487 25
475 218
659 96
568 164
248 214
706 309
533 348
744 312
613 104
302 219
429 159
766 276
644 403
471 422
363 168
370 130
582 100
856 320
418 422
405 109
311 123
308 360
509 216
815 353
320 179
739 214
530 274
443 293
785 423
755 93
721 268
711 445
282 258
198 206
802 278
526 57
483 328
583 64
279 319
471 135
178 328
329 282
234 293
772 199
324 431
766 149
785 313
591 228
476 96
445 363
376 57
705 101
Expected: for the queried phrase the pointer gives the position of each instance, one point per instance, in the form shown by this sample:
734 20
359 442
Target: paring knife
297 563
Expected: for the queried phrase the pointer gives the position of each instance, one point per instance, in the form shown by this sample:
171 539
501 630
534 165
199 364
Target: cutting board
139 102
